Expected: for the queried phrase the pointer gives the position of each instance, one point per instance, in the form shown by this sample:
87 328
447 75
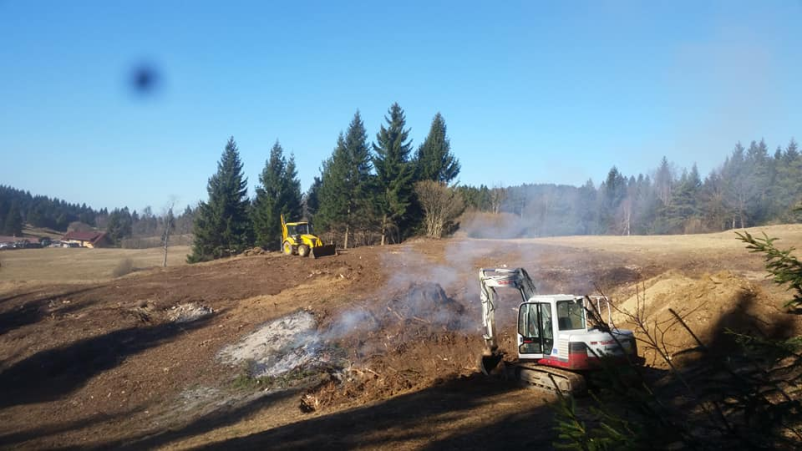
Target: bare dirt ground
89 361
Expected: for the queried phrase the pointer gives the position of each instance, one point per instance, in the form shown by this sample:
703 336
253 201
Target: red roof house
86 239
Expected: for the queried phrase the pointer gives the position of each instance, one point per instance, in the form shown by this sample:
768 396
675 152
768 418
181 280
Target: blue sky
531 91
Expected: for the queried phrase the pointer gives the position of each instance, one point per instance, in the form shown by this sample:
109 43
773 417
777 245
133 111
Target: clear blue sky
532 92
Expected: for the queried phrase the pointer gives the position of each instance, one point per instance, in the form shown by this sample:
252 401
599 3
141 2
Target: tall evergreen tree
614 191
394 173
120 225
789 189
293 197
278 193
311 200
664 182
345 194
434 158
13 220
222 225
685 200
736 185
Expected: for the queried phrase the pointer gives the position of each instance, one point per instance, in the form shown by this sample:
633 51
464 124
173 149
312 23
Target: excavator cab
554 331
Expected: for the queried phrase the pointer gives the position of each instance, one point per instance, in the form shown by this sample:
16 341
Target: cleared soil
91 361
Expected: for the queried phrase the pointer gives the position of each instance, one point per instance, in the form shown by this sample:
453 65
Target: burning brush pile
370 352
418 337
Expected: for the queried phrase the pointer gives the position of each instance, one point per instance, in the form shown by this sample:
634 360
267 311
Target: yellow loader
297 238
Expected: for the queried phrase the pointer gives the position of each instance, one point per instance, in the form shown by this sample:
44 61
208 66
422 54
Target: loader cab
299 228
542 318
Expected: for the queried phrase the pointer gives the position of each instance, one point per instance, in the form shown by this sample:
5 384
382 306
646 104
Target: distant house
86 239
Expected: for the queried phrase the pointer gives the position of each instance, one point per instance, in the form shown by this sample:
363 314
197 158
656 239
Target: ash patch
278 347
187 313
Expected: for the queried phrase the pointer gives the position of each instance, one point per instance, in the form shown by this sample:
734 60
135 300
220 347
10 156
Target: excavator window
570 315
535 328
529 329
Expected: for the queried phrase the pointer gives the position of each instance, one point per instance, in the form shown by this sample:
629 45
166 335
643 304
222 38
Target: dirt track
102 364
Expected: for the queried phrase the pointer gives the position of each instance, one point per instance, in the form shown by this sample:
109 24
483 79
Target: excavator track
551 380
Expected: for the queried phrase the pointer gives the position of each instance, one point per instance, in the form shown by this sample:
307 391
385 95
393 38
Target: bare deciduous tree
497 196
169 225
441 205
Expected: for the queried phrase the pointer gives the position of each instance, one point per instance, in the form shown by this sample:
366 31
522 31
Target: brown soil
103 364
708 306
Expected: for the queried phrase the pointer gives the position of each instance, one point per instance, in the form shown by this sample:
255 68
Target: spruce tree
279 193
267 203
13 220
394 173
120 225
685 200
222 225
293 198
434 158
311 201
345 191
332 196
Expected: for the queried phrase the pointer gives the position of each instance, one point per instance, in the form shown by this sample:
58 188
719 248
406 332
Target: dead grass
789 235
126 266
70 265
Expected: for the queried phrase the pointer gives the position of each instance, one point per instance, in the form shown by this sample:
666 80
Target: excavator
297 238
557 344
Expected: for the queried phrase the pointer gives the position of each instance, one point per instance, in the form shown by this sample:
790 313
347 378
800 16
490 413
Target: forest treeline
19 207
752 187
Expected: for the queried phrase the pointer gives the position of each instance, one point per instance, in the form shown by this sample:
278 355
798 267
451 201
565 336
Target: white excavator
557 344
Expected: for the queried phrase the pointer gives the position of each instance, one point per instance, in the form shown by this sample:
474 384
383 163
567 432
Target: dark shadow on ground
51 374
16 438
22 294
218 418
30 312
412 417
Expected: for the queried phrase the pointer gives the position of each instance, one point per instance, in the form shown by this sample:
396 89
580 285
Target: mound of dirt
254 251
708 306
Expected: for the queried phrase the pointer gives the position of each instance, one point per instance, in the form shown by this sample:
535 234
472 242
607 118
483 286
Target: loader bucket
322 251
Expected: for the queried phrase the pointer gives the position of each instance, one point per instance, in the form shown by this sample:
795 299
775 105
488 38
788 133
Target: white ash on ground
187 313
278 347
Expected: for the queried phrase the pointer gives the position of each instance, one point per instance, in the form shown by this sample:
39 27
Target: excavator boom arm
489 280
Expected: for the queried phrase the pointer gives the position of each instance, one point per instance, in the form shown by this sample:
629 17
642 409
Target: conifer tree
13 220
434 158
222 225
394 173
278 193
311 201
685 200
345 194
120 225
788 173
293 198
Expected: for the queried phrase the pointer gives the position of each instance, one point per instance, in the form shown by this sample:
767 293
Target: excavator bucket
489 363
322 251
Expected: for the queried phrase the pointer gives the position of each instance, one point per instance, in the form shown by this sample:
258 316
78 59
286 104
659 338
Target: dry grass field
78 265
